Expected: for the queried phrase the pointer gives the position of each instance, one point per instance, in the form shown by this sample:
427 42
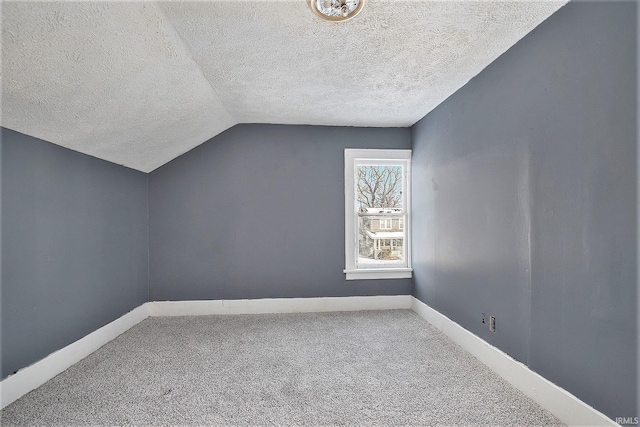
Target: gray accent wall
258 212
525 203
74 246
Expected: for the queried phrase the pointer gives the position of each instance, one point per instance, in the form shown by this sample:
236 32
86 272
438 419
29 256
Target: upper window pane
379 186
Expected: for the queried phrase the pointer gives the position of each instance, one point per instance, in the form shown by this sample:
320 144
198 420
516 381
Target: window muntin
377 209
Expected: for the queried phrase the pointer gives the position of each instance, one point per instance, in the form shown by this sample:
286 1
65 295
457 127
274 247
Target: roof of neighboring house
386 234
380 210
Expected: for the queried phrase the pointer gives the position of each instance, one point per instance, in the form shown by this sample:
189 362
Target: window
377 214
385 223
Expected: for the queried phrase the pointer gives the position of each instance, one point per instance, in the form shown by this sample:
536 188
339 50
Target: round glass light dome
336 10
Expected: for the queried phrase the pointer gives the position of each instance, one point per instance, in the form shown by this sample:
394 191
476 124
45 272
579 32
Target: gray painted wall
74 246
525 203
258 212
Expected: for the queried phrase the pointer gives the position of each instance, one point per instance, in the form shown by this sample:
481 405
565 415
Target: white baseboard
565 406
33 376
278 305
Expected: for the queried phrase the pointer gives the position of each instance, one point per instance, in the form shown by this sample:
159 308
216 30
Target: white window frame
388 223
353 157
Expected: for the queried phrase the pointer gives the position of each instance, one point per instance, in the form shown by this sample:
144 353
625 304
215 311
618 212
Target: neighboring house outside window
381 237
377 210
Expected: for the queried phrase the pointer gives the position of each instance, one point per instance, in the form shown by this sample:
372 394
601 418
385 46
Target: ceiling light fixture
336 10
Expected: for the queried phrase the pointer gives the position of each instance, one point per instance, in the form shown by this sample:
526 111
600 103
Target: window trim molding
351 156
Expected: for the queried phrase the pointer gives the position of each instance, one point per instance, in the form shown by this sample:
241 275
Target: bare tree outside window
379 186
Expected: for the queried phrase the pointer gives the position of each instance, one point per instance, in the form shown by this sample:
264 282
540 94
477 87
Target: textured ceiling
139 83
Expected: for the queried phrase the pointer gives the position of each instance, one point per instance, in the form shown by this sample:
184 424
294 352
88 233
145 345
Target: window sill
379 273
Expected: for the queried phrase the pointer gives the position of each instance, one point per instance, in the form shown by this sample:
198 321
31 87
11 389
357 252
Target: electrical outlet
492 324
483 319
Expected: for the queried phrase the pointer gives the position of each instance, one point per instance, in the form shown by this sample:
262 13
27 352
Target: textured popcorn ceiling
139 83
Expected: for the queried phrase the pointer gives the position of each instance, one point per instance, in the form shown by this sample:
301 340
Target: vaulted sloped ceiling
139 83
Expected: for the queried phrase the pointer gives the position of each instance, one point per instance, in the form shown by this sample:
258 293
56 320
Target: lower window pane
380 240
